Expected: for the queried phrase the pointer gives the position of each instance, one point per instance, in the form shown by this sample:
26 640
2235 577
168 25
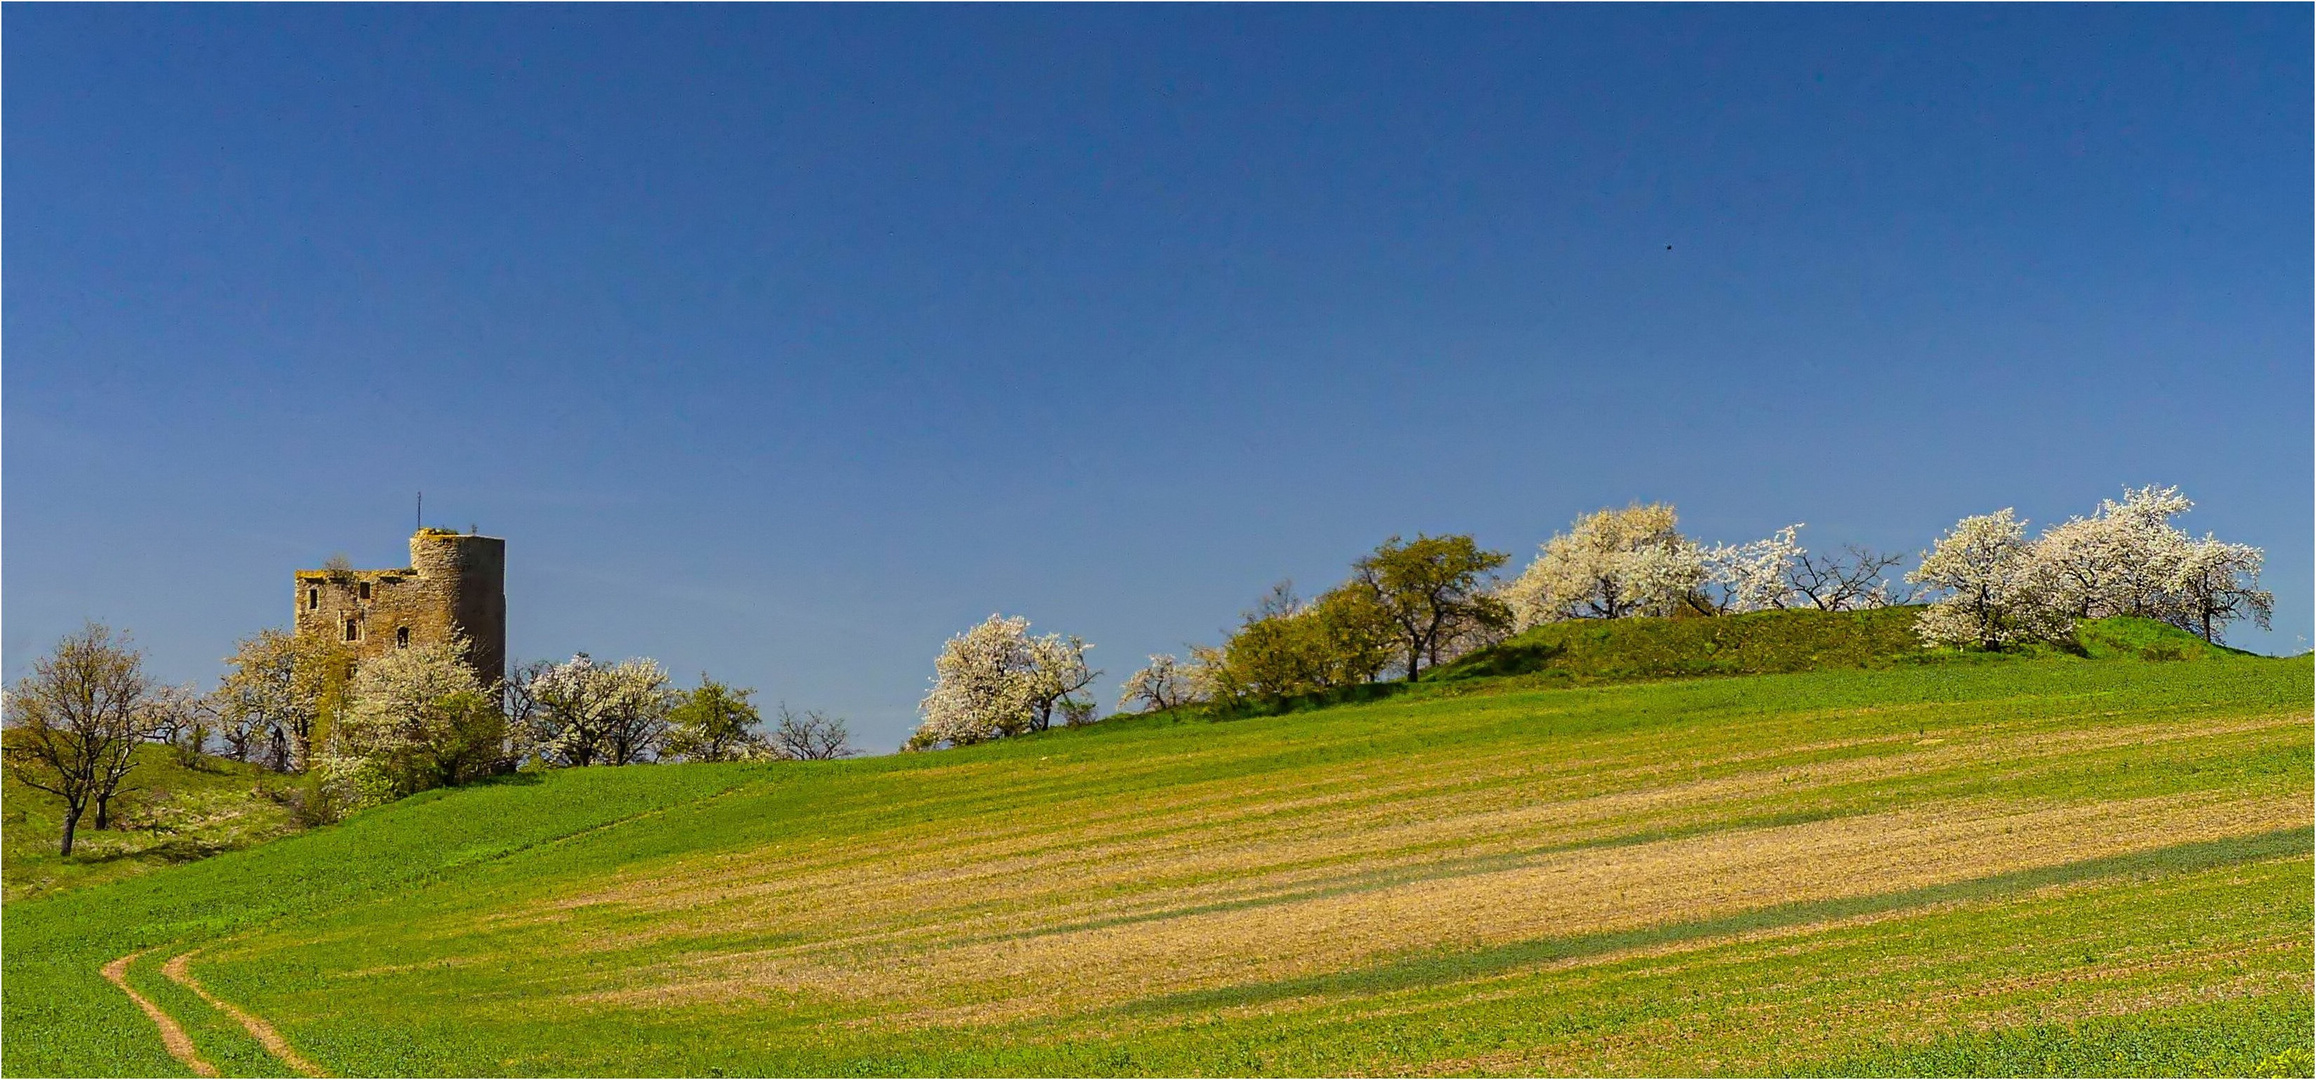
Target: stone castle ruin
455 585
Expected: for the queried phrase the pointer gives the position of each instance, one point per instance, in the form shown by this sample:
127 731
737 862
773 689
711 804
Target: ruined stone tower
455 584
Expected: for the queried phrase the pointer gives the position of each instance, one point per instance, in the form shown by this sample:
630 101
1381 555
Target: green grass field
2046 866
172 814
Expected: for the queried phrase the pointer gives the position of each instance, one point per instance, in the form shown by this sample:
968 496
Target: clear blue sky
783 342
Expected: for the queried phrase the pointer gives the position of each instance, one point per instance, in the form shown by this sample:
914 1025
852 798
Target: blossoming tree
995 680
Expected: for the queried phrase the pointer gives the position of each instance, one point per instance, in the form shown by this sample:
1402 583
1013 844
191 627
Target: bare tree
183 719
519 701
75 723
1854 579
809 736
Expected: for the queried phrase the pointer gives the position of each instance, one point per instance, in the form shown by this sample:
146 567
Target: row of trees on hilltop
1407 605
1996 588
1411 605
1614 564
360 734
420 718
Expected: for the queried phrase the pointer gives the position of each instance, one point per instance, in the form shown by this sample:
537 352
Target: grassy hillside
2031 866
1782 641
171 813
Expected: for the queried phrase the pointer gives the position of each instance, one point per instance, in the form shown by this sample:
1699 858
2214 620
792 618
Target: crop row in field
2033 866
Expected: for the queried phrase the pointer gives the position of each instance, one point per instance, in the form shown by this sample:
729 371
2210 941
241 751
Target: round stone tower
471 573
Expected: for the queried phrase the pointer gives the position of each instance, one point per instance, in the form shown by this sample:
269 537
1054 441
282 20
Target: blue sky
784 342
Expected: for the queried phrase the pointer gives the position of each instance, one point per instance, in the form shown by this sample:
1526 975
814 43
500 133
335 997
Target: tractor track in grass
179 1044
179 970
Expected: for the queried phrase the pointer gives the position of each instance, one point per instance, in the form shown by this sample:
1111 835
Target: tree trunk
104 812
71 824
1414 660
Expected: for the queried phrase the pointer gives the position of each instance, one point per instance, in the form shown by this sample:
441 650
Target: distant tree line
420 718
361 734
1411 605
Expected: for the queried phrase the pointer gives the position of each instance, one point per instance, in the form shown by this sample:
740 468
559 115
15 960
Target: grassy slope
2041 866
1782 641
171 814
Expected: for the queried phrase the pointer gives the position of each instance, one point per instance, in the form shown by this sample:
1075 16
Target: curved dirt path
179 970
172 1034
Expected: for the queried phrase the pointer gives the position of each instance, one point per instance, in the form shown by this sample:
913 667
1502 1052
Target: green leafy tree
1432 590
713 722
1285 647
1274 656
1358 633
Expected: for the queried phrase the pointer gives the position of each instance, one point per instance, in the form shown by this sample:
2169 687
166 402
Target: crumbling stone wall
455 584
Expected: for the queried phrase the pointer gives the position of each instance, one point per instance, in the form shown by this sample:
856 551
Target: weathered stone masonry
455 584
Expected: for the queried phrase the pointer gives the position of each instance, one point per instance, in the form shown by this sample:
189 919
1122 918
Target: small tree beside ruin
74 723
416 719
581 713
277 687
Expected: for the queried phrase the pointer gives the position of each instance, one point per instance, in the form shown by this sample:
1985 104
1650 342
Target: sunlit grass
2035 866
170 812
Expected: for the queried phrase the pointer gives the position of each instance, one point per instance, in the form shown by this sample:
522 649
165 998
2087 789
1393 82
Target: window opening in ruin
353 630
365 590
401 637
313 599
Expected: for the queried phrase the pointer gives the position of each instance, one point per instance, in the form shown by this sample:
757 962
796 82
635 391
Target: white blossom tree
2215 583
1610 564
1753 576
1165 684
276 688
1057 672
2128 558
995 680
584 713
1983 571
415 719
2118 561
